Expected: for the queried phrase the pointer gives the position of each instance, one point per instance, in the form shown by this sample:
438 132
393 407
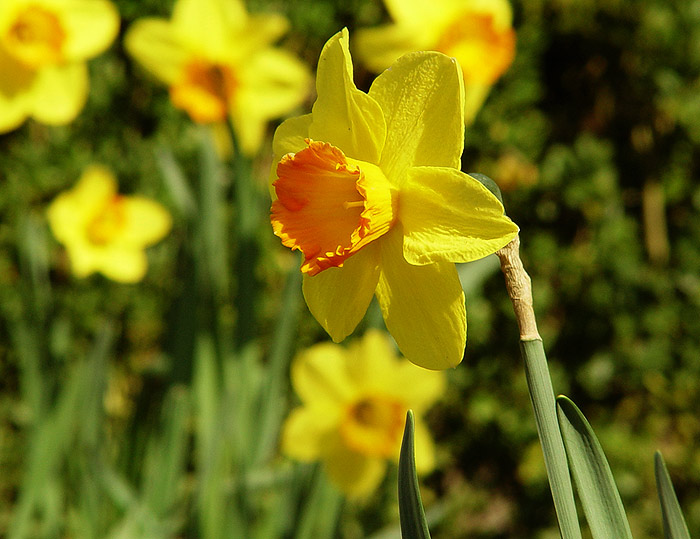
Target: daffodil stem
539 383
247 220
519 288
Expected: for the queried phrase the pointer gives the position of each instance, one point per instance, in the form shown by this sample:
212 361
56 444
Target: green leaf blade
674 523
594 481
411 514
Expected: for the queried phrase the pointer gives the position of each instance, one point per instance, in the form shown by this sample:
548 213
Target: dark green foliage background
599 113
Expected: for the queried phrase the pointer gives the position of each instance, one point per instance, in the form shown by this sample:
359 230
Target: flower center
107 224
373 426
329 206
483 51
36 37
205 91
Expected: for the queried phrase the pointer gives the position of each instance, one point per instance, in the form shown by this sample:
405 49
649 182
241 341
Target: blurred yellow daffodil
354 404
368 188
218 64
478 33
43 48
105 231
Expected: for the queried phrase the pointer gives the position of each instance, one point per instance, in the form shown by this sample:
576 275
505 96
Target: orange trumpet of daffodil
368 188
219 65
478 33
354 404
104 231
43 48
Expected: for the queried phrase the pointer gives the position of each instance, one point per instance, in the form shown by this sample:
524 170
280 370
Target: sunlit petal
423 307
338 297
449 216
343 115
422 97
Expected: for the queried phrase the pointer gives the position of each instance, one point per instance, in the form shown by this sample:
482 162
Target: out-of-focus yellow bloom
478 33
354 404
368 188
105 231
218 64
43 48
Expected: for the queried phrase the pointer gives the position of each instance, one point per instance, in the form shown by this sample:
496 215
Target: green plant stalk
247 206
541 392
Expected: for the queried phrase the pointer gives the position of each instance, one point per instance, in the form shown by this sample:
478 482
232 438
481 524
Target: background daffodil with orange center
43 48
219 65
354 404
368 188
104 231
478 33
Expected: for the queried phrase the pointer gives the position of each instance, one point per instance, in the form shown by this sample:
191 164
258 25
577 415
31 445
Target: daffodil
105 231
354 404
478 33
218 64
368 188
43 48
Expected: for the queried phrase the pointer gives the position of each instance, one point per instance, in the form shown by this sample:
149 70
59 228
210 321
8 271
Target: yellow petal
210 26
343 115
145 222
84 260
319 375
413 12
153 43
14 103
422 97
374 362
380 47
271 83
418 388
338 297
90 27
59 93
123 265
449 216
355 474
423 306
71 210
424 448
261 30
306 431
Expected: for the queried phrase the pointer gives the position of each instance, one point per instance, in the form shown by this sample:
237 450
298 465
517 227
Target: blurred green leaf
674 523
594 480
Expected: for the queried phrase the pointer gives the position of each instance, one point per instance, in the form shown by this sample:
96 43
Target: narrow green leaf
674 523
594 480
411 514
539 384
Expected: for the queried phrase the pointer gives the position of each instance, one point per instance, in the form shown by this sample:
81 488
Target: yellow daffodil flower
354 404
368 188
476 32
43 48
218 64
105 231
